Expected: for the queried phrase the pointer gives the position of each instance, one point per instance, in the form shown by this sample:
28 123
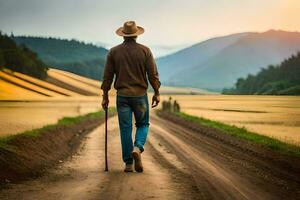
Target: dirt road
179 164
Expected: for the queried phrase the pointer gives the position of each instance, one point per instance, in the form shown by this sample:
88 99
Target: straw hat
130 29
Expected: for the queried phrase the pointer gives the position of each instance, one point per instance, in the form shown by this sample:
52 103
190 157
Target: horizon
159 50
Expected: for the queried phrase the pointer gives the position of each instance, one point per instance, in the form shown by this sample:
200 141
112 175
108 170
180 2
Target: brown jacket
132 63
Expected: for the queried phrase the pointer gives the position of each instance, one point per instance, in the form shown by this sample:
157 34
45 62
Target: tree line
283 79
70 55
20 58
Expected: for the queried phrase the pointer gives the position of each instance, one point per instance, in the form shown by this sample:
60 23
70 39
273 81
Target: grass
66 121
243 133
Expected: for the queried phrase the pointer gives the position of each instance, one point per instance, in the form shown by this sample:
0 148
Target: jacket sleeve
152 72
108 75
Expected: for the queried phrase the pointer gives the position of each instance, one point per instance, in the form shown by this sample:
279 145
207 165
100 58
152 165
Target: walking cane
106 165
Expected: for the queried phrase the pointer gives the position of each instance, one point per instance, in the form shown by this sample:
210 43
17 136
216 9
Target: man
132 63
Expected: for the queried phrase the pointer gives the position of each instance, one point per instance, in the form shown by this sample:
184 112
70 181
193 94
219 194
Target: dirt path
83 177
179 164
225 171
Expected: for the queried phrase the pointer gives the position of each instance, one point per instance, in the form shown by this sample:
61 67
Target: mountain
193 56
283 79
217 63
69 55
20 58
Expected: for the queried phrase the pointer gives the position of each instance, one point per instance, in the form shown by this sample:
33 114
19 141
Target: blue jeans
126 106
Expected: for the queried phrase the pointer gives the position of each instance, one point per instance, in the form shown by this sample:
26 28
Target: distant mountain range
218 63
213 64
69 55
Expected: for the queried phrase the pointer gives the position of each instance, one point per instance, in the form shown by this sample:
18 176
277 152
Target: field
27 103
16 117
278 117
275 116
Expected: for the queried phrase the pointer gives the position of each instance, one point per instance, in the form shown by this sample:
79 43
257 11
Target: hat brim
120 32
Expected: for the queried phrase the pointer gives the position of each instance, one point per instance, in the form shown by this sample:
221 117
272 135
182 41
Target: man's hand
155 100
105 102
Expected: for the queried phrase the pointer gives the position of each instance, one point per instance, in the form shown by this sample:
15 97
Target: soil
181 161
26 157
253 171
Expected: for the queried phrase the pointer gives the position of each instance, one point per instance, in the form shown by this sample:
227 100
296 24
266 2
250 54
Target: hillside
217 63
58 84
192 56
61 85
283 79
69 55
20 58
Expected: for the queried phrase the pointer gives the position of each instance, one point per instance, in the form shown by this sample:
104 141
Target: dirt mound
28 156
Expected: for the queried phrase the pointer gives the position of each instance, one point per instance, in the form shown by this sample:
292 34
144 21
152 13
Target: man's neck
129 39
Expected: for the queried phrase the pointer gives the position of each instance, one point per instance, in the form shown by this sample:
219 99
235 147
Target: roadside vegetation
66 121
242 133
283 79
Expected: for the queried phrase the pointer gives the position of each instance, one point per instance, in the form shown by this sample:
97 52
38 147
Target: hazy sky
166 22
